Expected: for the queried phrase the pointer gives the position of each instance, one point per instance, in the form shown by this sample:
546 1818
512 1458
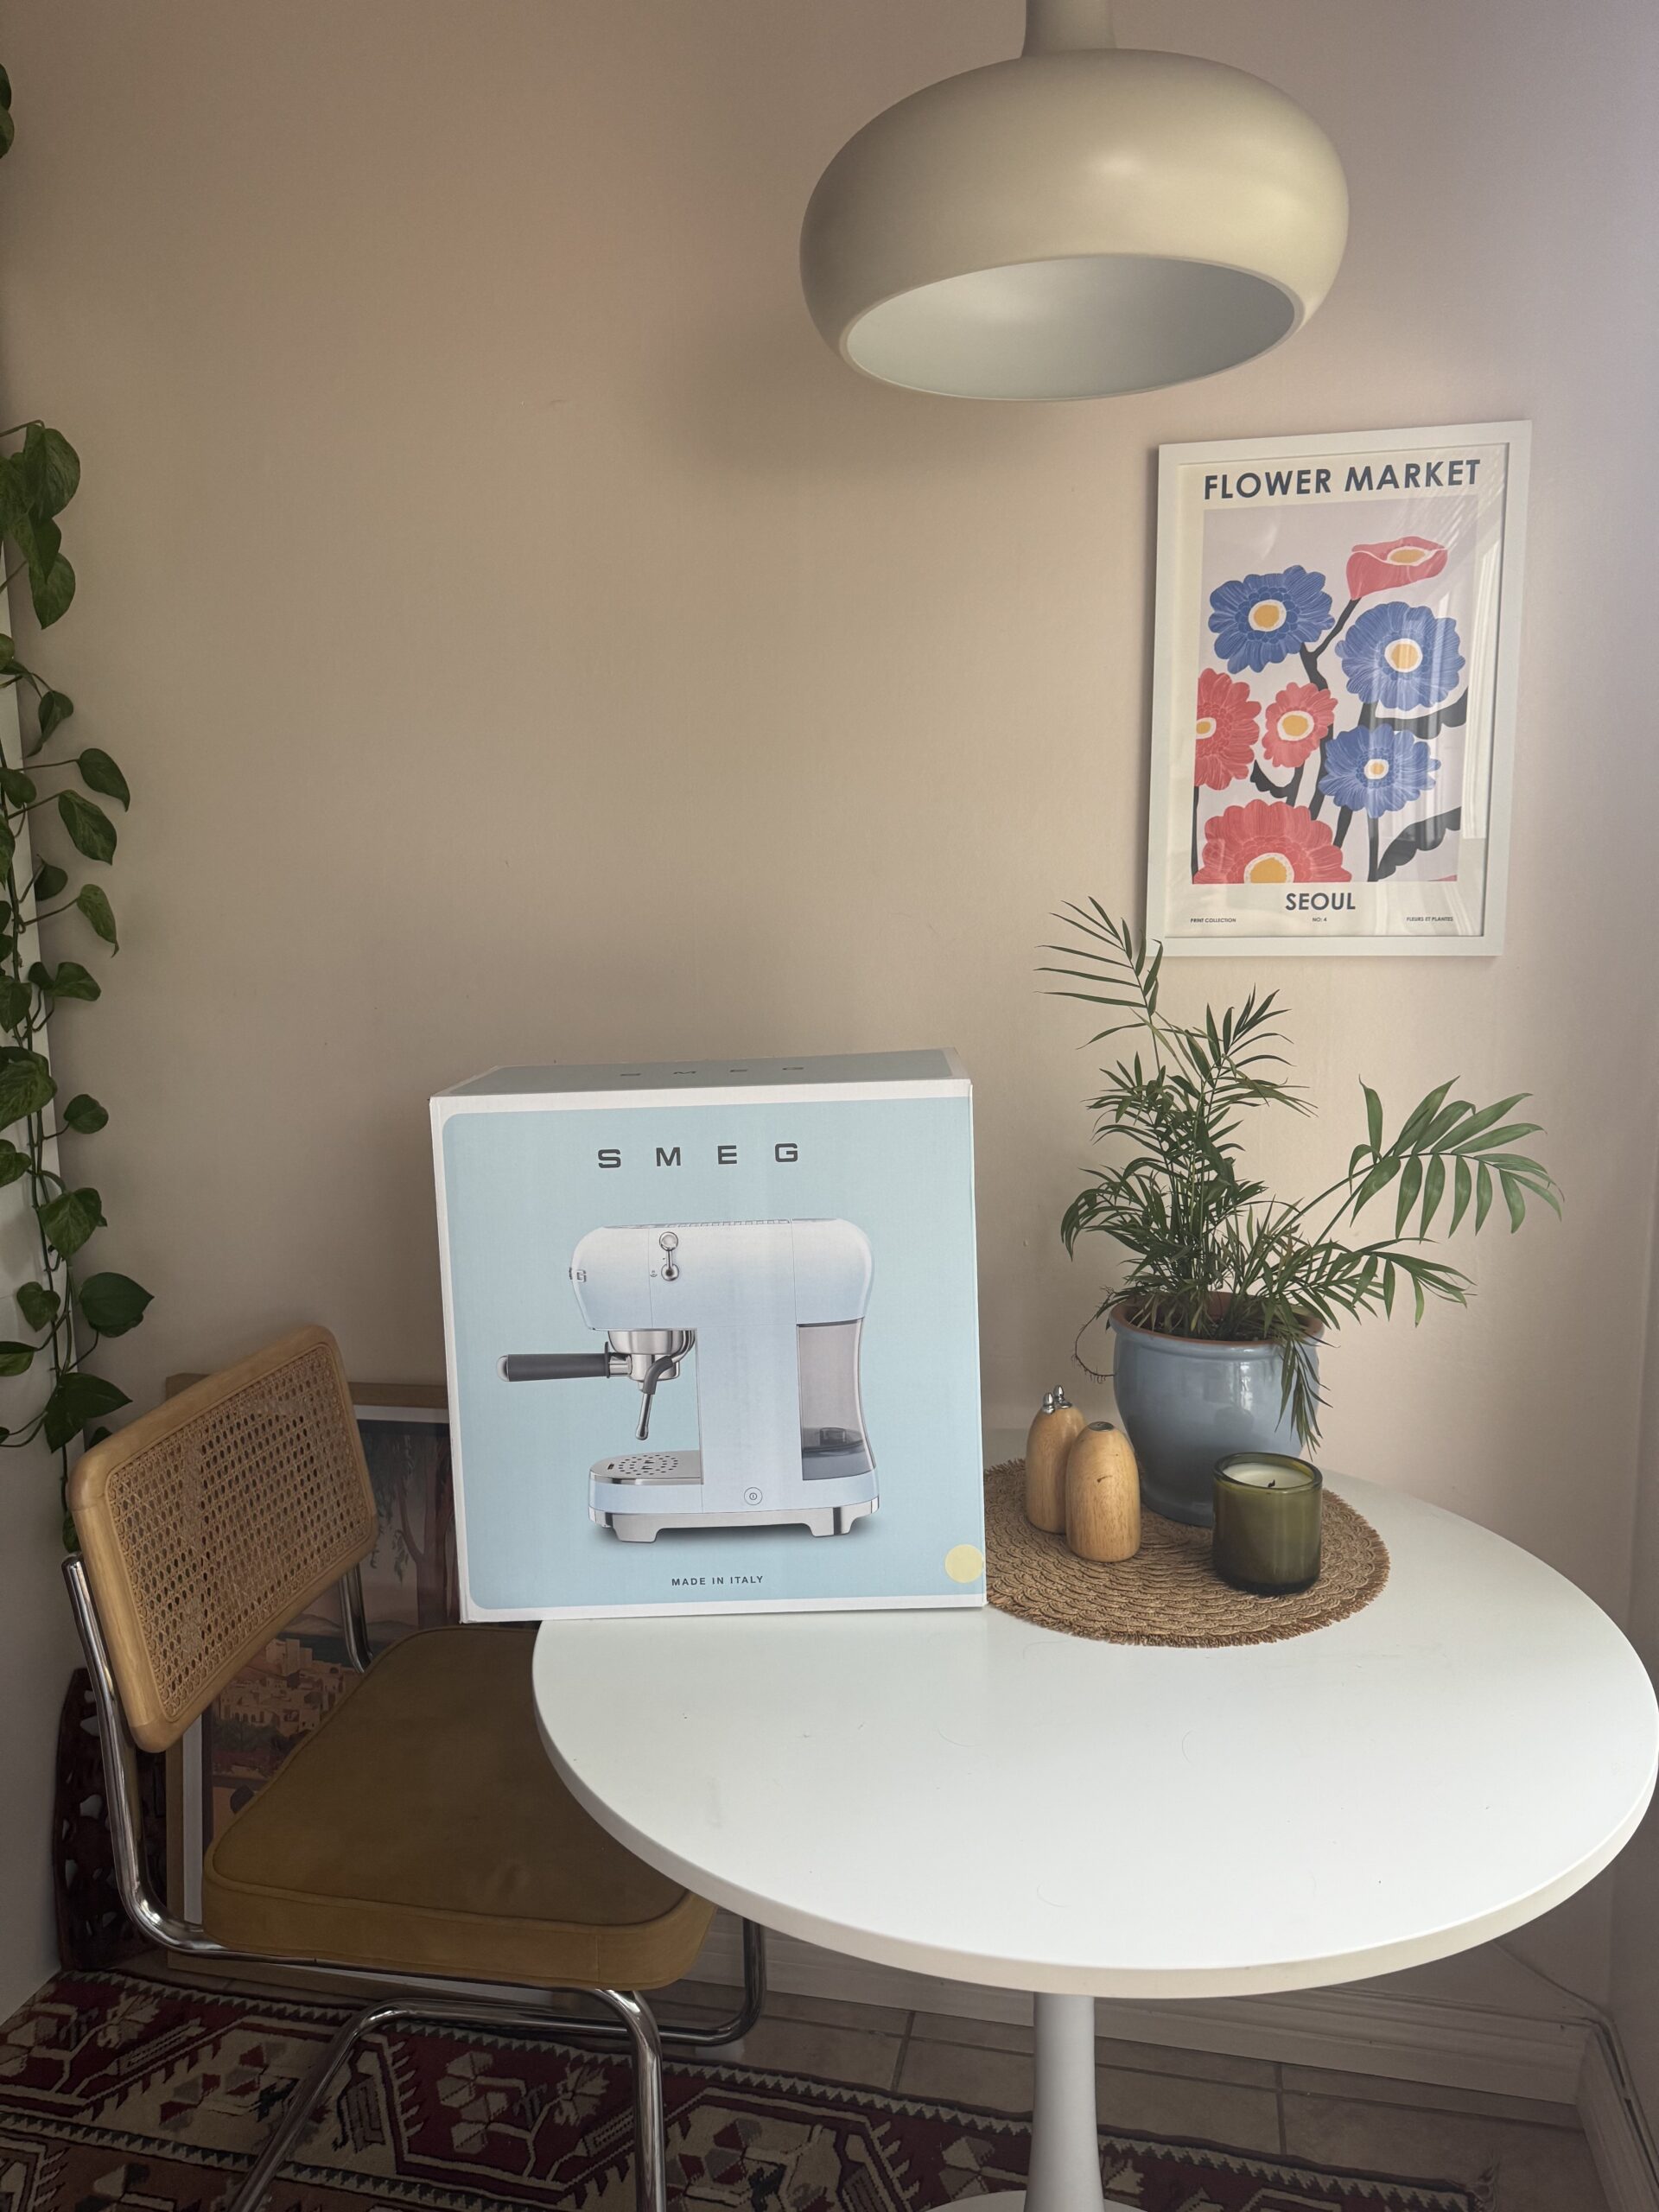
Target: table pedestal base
1065 2137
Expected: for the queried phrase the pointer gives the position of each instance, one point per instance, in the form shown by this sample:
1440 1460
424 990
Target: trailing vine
66 1314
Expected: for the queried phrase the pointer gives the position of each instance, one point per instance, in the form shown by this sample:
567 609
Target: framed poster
409 1583
1333 691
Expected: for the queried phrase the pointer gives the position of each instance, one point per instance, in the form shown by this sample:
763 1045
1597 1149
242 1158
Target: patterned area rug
117 2091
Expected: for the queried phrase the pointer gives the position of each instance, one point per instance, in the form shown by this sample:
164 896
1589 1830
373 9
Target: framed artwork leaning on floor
1333 691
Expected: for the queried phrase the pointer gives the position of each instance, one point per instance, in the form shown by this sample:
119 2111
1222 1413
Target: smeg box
712 1336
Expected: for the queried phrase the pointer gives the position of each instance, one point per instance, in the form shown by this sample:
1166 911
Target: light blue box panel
761 1202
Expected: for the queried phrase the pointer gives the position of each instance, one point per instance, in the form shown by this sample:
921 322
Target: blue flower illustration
1256 619
1377 772
1401 658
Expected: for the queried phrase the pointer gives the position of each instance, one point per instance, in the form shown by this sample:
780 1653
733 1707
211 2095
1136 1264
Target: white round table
965 1795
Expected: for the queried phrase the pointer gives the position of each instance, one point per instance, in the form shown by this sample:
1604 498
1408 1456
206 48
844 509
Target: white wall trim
1378 2028
1383 2028
1389 2028
1626 2159
38 1651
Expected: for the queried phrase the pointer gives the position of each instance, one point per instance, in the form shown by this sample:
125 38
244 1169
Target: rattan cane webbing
210 1523
1167 1594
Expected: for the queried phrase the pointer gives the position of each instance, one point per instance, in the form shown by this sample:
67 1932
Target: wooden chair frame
425 1997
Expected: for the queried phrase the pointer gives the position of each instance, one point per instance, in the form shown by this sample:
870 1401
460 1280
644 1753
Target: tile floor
1538 2151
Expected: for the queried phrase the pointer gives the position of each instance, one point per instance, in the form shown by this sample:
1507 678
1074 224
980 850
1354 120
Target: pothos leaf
100 774
70 1218
91 830
55 708
95 906
69 980
25 1088
38 1305
53 593
77 1399
113 1304
50 468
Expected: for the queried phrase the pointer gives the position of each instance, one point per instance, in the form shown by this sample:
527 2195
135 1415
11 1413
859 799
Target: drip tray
651 1467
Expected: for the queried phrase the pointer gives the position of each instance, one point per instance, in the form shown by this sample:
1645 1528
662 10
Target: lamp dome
1074 224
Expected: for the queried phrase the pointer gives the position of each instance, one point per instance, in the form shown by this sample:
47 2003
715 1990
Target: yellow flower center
1408 557
1207 725
1403 655
1269 868
1375 770
1296 723
1268 614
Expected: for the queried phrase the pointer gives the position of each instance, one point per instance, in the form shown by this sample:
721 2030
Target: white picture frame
1291 813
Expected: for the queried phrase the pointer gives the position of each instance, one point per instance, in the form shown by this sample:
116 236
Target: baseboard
1405 2028
1494 2026
1626 2159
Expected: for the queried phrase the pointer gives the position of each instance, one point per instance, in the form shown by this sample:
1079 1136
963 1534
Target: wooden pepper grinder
1053 1431
1103 1494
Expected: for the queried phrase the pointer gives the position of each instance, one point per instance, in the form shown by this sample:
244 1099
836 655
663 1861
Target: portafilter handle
561 1366
653 1355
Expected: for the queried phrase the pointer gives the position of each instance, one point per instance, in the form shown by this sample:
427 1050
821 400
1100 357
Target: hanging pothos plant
65 1312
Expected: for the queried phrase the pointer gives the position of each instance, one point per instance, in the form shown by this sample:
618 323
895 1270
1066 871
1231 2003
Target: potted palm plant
1228 1289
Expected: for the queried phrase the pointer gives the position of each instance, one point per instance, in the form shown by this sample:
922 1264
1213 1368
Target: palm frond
1210 1252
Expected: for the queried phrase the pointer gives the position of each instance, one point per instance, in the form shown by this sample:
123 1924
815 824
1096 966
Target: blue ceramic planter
1187 1402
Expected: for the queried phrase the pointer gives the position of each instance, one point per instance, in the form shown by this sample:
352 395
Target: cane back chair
420 1838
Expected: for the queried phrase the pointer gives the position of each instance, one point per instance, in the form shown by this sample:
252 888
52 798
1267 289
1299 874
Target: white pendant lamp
1081 221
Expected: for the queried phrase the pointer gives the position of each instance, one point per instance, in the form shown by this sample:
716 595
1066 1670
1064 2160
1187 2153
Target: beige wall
525 641
1635 1986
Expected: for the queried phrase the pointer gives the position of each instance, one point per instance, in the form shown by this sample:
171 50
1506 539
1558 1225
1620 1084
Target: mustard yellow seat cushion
423 1828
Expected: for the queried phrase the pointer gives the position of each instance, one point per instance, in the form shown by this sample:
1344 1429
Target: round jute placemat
1166 1593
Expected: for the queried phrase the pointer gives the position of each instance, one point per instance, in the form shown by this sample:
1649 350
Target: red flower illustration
1301 715
1270 843
1387 567
1228 727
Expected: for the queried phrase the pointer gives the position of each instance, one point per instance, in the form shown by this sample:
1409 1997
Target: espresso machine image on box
775 1311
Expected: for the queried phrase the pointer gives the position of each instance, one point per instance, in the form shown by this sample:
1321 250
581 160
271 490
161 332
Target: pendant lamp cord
1068 26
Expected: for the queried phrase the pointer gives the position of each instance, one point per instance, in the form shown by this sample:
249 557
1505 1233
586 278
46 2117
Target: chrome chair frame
426 1997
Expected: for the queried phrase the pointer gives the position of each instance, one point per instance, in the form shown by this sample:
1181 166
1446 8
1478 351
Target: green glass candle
1267 1522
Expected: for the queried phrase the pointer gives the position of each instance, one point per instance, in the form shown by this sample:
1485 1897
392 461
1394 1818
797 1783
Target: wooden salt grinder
1053 1433
1103 1494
